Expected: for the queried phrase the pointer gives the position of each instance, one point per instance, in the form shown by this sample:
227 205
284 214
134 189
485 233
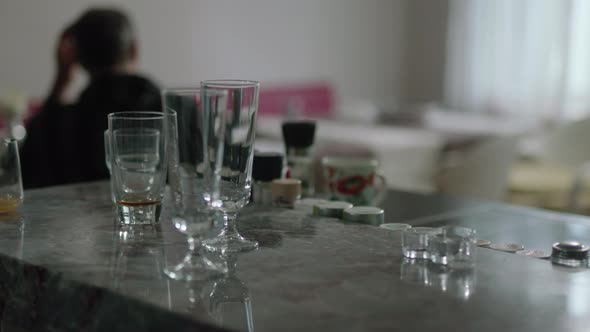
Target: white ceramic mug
355 180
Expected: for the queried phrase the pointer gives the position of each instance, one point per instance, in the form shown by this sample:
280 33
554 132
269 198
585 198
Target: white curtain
519 56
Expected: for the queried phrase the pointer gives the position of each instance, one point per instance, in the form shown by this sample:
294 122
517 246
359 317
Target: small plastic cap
267 166
299 134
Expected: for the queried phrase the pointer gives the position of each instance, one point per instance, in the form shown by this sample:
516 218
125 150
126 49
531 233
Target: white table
408 156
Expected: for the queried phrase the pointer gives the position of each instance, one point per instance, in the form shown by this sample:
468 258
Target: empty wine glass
232 105
192 177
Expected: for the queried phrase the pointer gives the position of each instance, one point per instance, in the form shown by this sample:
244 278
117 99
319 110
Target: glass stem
194 244
229 223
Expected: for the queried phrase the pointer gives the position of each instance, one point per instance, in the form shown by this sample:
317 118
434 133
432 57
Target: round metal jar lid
364 214
570 250
395 226
307 204
331 209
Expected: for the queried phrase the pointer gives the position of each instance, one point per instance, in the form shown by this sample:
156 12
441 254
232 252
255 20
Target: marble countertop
65 267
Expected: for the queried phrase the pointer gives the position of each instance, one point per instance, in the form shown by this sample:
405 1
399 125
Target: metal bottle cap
570 253
332 209
364 214
306 204
395 226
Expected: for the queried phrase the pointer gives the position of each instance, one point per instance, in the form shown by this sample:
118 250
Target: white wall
358 45
426 28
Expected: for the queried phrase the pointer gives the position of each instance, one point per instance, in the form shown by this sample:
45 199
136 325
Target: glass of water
232 105
138 165
454 247
192 177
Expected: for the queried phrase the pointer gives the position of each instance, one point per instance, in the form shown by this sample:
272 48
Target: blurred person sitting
65 142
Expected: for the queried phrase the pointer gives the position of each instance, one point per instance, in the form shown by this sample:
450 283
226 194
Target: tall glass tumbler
193 178
233 105
11 185
138 165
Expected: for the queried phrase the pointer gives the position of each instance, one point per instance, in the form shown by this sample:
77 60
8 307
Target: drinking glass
454 247
415 241
11 185
232 105
193 178
138 165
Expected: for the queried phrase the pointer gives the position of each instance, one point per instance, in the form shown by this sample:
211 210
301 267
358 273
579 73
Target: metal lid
307 204
395 226
570 250
364 214
331 209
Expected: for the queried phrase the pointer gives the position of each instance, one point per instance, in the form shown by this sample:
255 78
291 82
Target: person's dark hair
103 38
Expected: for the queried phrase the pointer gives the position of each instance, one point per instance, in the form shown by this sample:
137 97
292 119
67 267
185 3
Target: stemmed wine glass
232 105
193 178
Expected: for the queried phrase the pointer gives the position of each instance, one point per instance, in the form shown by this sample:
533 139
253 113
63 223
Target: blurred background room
473 98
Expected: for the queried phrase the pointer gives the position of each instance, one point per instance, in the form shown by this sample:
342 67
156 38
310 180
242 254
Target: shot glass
138 165
453 247
11 185
415 241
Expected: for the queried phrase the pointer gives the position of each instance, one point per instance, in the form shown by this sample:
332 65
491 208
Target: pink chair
312 100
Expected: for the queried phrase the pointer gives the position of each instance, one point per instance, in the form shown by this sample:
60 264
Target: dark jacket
65 144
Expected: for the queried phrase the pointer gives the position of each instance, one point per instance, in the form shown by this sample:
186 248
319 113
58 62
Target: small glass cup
453 247
415 241
11 185
137 145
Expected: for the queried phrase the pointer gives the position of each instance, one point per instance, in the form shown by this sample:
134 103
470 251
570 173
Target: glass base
415 253
195 268
231 243
138 215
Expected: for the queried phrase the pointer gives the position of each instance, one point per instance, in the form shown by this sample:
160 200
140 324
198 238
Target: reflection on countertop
459 283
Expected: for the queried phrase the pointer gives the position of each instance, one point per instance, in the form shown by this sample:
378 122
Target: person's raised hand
66 61
66 56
